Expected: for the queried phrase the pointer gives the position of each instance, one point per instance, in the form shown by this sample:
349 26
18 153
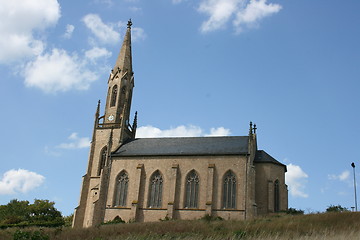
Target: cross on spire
129 24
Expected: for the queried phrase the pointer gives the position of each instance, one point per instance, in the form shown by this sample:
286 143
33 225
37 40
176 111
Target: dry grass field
311 226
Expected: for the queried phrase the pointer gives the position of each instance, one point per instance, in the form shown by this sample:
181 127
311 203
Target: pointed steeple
124 60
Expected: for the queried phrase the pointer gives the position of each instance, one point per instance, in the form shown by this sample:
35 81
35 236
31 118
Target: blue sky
205 67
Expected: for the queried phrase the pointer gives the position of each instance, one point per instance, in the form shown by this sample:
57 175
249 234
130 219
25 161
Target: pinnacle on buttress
251 128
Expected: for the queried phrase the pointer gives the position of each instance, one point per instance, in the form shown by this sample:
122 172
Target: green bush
336 208
116 220
294 211
28 235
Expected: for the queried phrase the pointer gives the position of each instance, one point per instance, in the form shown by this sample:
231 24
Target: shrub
28 235
116 220
294 211
336 208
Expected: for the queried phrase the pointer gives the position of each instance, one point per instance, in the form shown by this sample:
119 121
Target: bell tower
111 130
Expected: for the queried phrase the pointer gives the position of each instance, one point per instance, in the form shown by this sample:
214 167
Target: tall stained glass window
229 190
155 190
192 190
121 189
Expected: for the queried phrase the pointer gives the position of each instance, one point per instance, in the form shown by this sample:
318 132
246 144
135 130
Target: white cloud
95 53
295 178
19 181
253 13
180 131
104 32
138 34
19 21
341 177
58 71
76 142
69 31
245 13
220 131
219 12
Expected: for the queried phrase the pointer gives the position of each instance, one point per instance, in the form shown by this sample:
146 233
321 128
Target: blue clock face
111 118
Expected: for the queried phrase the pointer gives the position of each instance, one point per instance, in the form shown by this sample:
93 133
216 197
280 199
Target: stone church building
147 179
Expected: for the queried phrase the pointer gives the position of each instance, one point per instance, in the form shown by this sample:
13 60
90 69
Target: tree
21 213
14 212
336 208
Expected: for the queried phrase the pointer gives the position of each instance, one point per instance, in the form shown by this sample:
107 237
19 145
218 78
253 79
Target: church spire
124 60
120 88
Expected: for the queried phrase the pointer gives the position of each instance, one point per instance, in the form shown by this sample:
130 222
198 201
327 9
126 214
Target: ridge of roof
183 146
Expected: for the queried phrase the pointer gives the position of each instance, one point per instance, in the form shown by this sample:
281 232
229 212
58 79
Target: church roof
263 157
184 146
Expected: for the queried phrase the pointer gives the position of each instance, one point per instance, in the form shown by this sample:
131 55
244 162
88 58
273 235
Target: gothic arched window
102 160
192 190
276 196
121 188
155 190
122 96
113 96
229 190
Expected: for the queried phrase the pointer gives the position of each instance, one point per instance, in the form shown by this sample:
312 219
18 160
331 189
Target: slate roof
263 157
184 146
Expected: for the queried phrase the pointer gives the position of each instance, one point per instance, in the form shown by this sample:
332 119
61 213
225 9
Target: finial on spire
129 24
255 128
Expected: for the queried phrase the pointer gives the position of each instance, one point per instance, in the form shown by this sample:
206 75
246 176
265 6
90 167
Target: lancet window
102 160
155 190
229 190
113 96
121 189
192 190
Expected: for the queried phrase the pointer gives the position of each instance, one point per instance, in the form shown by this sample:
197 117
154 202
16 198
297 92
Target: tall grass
279 227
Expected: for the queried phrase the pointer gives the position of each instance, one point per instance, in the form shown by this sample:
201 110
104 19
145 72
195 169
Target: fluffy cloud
219 12
341 177
20 181
245 13
180 131
137 34
221 131
58 71
104 33
69 31
295 178
76 142
96 53
19 21
253 13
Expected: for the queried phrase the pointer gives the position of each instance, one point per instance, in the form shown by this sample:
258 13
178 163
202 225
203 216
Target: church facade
148 179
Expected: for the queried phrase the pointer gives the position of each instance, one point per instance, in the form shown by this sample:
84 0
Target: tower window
113 96
102 160
121 189
229 190
276 196
192 190
155 190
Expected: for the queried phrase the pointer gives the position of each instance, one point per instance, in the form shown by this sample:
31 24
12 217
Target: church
152 179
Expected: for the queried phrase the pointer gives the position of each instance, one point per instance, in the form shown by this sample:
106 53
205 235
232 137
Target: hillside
311 226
